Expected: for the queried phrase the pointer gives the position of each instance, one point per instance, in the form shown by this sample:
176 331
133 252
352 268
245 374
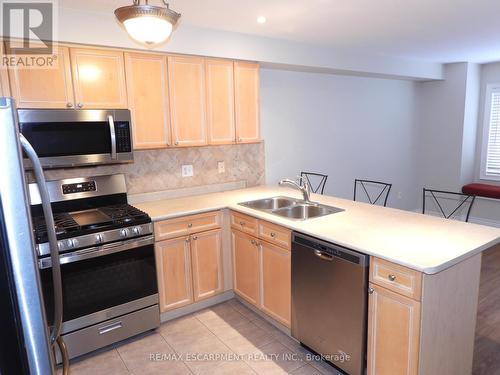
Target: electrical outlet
221 167
400 195
187 170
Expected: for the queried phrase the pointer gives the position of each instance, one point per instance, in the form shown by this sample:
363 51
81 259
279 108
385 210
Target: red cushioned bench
482 190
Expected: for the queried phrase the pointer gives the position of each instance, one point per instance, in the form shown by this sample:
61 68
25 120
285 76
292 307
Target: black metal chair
384 187
318 181
437 195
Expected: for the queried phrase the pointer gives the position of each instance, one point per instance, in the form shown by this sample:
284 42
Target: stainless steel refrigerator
26 342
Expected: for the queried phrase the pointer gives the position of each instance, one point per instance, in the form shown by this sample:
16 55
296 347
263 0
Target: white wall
346 127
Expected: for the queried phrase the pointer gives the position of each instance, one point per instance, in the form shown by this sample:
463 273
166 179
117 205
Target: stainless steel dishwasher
329 301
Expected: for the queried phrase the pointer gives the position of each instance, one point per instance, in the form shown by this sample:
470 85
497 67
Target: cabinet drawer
186 225
397 278
275 234
244 223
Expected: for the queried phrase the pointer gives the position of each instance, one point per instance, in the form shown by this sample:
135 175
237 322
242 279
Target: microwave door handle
51 233
112 132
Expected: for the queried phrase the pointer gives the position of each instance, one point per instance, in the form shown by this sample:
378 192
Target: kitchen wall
159 170
344 126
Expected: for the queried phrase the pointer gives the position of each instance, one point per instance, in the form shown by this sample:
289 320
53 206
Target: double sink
291 208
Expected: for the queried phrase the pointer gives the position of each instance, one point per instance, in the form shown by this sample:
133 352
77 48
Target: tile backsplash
159 170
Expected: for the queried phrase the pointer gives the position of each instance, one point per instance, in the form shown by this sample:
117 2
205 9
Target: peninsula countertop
424 243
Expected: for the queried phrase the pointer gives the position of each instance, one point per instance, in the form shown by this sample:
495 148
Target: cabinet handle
69 105
391 277
240 140
79 105
273 234
195 238
370 290
242 223
190 225
253 242
176 143
187 240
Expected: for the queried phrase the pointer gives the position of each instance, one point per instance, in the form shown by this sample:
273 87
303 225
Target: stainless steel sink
291 208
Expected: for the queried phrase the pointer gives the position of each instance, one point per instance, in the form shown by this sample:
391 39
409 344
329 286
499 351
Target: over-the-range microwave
67 138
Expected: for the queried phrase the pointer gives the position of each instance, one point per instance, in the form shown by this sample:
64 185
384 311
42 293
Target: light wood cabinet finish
147 90
397 278
246 97
173 263
187 100
98 78
186 225
244 223
206 258
220 101
393 333
246 266
275 234
44 88
276 282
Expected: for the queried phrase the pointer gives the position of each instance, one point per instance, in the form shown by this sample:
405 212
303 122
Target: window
490 158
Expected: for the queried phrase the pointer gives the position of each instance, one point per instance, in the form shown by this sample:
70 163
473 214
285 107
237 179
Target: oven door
63 138
103 282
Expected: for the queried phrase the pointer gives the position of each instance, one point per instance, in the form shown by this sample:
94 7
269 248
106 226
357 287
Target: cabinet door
220 101
276 282
44 88
98 78
173 264
206 258
393 333
148 99
187 100
246 266
246 96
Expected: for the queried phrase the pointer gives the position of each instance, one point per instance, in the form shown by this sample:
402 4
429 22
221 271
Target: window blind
493 137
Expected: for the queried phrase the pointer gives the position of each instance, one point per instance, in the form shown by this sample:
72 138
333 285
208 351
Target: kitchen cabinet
220 101
189 266
44 88
98 78
246 98
186 80
147 89
206 261
173 263
394 326
276 282
246 266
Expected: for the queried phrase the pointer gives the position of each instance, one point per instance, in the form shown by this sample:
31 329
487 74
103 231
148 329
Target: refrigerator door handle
54 250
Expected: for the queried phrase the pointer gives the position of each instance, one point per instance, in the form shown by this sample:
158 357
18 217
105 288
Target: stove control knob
74 243
124 233
137 231
98 238
68 244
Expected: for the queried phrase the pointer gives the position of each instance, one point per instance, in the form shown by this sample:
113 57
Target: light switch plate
187 170
221 166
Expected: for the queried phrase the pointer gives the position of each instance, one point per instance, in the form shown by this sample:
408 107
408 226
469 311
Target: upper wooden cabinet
98 78
220 101
187 100
44 88
148 99
246 98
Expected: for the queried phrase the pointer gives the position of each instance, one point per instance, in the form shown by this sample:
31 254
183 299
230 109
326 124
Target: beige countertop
421 242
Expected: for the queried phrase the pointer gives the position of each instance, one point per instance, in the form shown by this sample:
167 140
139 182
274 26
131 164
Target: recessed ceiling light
261 19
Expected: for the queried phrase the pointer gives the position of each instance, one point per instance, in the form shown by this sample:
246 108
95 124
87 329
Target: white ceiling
428 30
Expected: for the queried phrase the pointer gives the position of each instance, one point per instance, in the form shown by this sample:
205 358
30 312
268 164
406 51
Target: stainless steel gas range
106 249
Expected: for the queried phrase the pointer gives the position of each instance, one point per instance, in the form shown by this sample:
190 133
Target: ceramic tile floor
227 338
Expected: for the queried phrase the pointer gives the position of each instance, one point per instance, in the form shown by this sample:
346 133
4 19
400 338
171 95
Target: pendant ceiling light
146 23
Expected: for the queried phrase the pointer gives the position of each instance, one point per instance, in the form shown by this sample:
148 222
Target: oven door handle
112 133
99 251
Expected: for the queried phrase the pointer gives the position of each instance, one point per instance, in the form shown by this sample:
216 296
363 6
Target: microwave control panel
122 130
80 187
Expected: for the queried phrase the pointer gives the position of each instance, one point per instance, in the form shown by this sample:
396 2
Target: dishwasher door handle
323 256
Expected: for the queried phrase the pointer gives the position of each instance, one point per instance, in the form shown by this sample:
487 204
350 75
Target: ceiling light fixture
146 23
261 19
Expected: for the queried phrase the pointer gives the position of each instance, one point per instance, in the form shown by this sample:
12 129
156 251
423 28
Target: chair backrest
441 196
381 193
317 181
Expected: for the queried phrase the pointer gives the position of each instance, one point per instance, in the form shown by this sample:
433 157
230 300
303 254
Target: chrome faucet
302 185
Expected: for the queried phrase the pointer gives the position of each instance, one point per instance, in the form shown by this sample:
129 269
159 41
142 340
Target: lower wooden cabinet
189 269
276 282
173 265
246 266
393 333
